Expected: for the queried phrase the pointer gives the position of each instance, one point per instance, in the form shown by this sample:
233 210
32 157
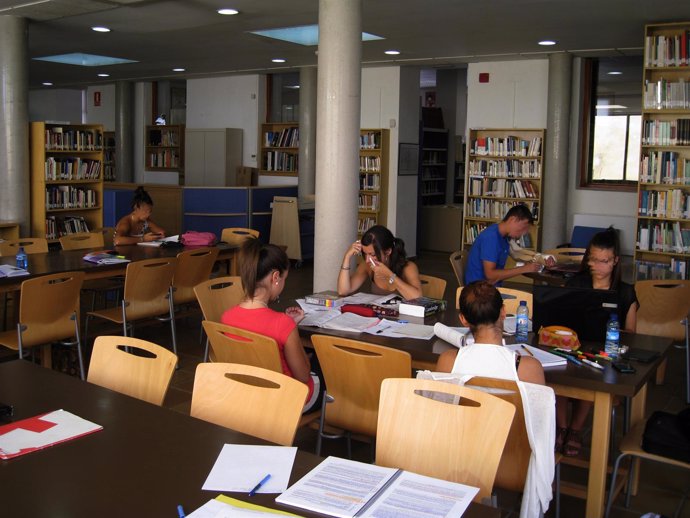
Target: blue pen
403 321
567 357
180 511
258 486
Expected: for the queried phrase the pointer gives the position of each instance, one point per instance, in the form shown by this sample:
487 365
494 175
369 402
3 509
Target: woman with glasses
600 270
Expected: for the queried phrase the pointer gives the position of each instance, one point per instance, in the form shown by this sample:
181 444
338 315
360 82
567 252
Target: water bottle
522 323
613 336
22 259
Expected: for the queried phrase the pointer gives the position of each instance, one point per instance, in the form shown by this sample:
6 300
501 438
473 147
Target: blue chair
581 236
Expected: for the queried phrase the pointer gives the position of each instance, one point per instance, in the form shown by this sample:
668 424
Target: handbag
668 435
194 238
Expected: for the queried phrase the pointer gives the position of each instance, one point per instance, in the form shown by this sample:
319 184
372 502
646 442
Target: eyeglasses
605 262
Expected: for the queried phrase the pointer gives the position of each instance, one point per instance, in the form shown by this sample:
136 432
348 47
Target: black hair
382 239
480 304
605 240
520 212
141 197
257 261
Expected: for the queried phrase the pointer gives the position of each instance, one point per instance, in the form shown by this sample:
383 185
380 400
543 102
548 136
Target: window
611 123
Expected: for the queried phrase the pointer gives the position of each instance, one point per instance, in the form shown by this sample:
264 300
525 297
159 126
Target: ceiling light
100 29
103 75
615 73
303 35
278 60
610 107
179 69
85 60
47 84
392 52
228 12
547 43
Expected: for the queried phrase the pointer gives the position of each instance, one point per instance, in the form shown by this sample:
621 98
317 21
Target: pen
258 486
180 511
403 321
592 364
568 357
526 349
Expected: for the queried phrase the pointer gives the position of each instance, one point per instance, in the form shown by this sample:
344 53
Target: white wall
105 113
60 105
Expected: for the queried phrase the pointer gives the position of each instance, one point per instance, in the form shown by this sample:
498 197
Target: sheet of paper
223 506
422 496
311 308
415 331
351 322
319 318
240 467
546 358
8 270
361 298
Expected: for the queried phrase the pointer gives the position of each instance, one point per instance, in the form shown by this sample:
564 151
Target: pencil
526 349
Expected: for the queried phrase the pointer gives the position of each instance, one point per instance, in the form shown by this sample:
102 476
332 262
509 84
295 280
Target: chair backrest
108 235
460 443
512 470
353 372
458 260
663 304
82 240
457 297
132 366
32 245
217 295
567 255
147 285
48 306
433 287
249 399
193 267
582 235
236 235
234 345
512 298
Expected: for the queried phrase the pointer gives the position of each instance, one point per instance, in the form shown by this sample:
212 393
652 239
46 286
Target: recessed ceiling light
179 69
610 107
46 83
547 43
615 73
103 75
228 12
303 35
100 29
392 52
85 60
278 60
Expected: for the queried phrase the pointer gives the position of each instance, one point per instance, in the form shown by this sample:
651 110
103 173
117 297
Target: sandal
560 439
573 443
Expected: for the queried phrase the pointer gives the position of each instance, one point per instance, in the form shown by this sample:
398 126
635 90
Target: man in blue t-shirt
489 252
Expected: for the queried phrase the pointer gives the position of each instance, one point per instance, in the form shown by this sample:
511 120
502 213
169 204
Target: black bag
668 435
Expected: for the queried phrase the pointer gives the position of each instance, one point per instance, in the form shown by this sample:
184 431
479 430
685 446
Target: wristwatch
391 279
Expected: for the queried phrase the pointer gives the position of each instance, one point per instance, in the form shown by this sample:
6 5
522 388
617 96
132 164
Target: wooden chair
251 400
458 260
566 255
133 367
48 312
82 241
512 298
663 311
233 345
32 245
148 294
433 287
236 236
193 267
460 443
215 296
353 372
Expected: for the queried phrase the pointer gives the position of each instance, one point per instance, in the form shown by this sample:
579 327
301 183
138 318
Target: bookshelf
372 205
504 167
434 173
66 178
663 219
109 162
459 172
279 149
163 146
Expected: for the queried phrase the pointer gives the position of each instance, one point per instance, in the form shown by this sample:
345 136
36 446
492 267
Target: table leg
598 460
637 414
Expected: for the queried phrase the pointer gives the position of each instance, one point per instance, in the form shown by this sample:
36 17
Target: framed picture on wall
408 159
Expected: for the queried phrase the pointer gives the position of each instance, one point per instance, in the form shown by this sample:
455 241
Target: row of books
369 182
666 133
280 161
667 50
56 226
370 163
507 168
109 172
434 157
164 158
72 169
664 204
433 186
506 146
164 137
288 137
365 223
493 209
654 270
665 167
68 197
666 95
502 188
663 237
368 202
58 139
370 140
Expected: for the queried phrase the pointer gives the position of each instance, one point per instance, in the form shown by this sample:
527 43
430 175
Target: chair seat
112 314
632 445
9 339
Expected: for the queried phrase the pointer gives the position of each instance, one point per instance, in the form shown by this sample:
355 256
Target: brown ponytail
258 261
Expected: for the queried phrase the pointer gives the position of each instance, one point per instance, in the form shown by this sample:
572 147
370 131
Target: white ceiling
163 34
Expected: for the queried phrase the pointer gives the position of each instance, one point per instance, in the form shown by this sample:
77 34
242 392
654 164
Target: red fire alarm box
97 98
483 77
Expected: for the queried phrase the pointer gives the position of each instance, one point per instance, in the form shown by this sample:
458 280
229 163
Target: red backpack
193 238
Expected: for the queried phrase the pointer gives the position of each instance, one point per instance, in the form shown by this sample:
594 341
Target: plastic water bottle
22 259
613 336
522 322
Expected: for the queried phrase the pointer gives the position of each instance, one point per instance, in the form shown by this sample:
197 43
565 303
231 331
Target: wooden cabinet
434 167
373 178
163 146
663 222
504 167
212 156
66 179
279 150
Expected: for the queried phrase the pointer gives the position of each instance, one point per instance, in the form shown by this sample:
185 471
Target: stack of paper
7 270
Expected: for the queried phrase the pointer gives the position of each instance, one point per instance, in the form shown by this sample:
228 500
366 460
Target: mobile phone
623 367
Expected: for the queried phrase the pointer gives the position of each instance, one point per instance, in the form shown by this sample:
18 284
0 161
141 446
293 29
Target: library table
144 462
580 382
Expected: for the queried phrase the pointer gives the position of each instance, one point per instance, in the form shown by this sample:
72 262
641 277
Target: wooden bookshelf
66 178
109 161
373 178
504 167
279 149
163 149
433 176
663 222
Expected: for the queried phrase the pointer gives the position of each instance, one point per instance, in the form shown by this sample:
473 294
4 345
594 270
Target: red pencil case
358 309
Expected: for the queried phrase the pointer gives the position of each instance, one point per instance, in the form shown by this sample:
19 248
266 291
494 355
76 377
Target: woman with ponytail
263 269
137 226
384 263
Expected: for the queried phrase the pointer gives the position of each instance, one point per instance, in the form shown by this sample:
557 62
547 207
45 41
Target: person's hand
152 236
355 249
295 313
550 261
381 271
531 267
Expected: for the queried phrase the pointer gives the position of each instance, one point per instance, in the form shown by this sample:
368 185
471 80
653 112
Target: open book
546 358
334 319
159 242
346 488
105 257
7 270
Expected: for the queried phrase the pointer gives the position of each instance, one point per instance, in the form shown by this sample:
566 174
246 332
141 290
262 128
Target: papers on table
396 329
225 507
105 257
546 358
7 270
357 298
159 242
334 319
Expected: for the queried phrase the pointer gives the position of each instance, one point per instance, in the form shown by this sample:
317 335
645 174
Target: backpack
193 238
668 435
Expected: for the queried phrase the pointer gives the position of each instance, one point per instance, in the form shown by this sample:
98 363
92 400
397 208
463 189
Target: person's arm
446 360
531 371
156 230
122 231
296 357
631 318
349 283
408 284
494 275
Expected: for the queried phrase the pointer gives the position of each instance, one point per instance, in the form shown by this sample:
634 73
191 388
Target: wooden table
144 462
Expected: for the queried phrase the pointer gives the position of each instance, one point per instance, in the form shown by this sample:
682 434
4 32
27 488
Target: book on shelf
329 299
8 270
346 488
421 306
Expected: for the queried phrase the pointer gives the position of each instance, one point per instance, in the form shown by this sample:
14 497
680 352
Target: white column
124 145
337 153
307 132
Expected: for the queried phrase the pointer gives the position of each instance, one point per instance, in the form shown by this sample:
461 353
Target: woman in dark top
600 270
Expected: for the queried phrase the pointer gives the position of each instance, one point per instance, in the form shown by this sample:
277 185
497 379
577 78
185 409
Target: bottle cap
523 302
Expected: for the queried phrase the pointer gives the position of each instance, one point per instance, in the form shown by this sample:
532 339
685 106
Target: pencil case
559 336
369 310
